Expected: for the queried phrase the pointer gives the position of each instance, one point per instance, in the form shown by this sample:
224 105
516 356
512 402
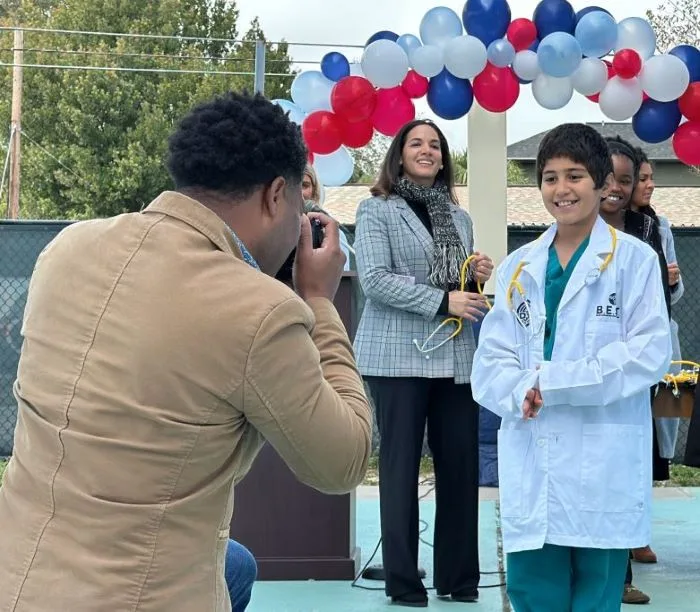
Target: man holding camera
159 354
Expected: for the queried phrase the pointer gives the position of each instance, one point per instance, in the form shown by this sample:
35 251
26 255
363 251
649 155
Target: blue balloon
559 54
501 53
335 66
597 34
382 35
450 97
554 16
691 58
487 20
590 9
535 45
408 42
656 121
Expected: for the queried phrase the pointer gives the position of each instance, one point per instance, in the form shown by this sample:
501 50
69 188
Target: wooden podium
295 532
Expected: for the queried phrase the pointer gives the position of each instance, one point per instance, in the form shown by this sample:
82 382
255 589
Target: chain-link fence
21 243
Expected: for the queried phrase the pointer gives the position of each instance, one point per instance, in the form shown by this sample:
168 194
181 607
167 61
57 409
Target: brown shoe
632 595
644 555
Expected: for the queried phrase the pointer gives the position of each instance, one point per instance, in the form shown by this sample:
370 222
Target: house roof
680 204
526 150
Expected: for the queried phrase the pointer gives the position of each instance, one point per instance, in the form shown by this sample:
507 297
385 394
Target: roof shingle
680 204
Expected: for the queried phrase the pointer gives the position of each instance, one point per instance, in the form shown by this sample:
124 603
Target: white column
487 182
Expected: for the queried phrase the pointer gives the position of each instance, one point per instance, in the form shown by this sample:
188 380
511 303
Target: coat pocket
600 333
613 478
513 479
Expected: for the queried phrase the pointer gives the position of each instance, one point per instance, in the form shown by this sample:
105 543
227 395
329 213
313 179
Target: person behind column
617 210
159 355
578 333
412 241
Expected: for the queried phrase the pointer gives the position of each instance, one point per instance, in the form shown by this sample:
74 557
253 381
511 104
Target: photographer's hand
317 272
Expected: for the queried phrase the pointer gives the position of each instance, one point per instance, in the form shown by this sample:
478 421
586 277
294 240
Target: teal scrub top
554 285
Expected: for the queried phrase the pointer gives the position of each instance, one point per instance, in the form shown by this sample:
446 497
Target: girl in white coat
578 333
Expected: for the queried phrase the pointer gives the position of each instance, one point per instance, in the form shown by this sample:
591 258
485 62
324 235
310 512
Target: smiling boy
577 335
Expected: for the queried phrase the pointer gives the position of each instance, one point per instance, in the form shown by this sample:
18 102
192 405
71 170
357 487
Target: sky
324 22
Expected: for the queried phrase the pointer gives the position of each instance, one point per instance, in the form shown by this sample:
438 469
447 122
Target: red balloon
323 132
611 74
496 89
521 33
686 143
689 102
358 133
627 63
353 98
415 85
394 109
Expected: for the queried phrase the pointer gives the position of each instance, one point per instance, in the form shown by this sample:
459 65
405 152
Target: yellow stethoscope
456 320
526 320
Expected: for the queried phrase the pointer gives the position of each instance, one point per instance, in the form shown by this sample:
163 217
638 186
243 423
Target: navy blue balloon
656 121
590 9
554 16
487 20
335 66
535 45
522 81
382 35
691 58
450 97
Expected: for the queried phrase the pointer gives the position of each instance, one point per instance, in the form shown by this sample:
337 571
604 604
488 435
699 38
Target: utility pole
16 124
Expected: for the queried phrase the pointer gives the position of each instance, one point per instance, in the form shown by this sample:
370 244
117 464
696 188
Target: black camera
317 234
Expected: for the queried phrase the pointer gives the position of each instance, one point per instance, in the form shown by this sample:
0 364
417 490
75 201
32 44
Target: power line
152 70
155 55
174 37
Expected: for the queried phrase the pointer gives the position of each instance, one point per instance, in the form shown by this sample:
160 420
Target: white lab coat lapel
587 270
536 259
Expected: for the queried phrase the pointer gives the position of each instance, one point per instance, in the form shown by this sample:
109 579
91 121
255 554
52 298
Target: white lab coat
580 473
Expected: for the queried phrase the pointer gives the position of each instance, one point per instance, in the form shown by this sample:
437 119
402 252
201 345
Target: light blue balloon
439 26
501 53
596 32
409 42
311 91
559 54
295 113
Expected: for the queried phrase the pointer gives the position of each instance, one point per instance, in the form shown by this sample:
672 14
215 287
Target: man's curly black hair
234 144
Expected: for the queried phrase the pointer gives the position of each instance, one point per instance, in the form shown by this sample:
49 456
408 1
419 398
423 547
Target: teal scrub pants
564 579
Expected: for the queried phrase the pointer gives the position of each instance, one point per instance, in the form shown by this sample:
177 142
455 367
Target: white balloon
552 92
636 33
526 66
335 169
409 42
428 61
385 64
311 91
664 77
621 98
590 77
465 56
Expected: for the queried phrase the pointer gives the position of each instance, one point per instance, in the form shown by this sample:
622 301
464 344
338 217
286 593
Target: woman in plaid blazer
411 240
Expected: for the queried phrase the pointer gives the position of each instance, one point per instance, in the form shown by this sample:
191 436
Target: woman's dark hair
644 159
234 144
391 167
619 146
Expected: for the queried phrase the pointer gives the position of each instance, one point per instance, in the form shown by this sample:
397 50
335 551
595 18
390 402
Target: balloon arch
486 55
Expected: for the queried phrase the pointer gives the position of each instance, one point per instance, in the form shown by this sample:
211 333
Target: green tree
676 23
95 140
460 161
368 159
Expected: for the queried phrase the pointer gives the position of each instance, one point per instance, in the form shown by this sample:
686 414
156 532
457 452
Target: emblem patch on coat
523 313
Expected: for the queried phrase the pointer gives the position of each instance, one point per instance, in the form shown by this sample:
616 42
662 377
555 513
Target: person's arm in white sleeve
374 267
678 289
621 369
499 383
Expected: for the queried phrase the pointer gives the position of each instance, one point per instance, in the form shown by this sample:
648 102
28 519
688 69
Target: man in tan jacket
159 353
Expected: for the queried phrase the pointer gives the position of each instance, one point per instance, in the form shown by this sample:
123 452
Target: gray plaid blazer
394 252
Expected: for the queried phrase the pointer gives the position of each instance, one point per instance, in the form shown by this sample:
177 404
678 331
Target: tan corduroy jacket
155 363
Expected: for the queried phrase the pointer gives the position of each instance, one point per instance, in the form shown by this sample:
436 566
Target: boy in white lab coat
577 335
